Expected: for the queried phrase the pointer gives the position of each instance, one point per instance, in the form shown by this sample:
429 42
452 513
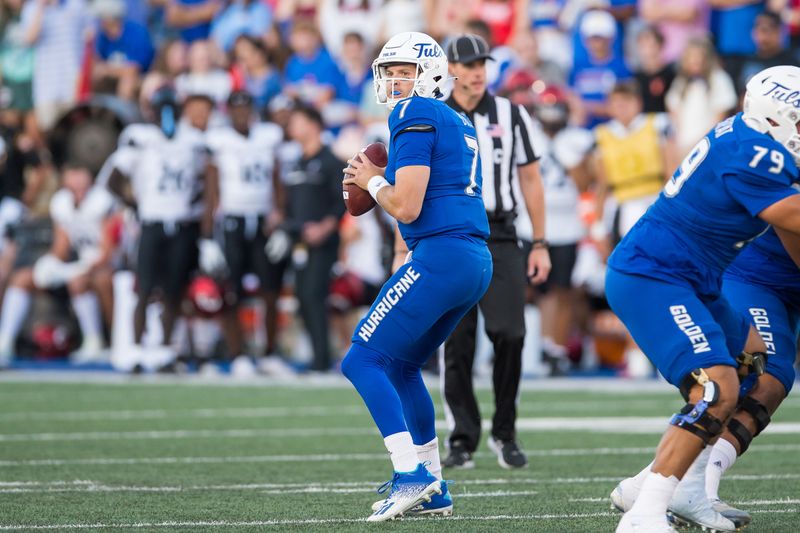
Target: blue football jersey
708 212
766 262
429 133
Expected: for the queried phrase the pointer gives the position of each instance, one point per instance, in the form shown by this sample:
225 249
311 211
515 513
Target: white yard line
151 414
12 487
325 457
283 411
332 381
620 425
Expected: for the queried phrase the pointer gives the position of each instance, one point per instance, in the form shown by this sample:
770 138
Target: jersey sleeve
128 148
59 207
523 136
414 148
763 176
413 132
412 114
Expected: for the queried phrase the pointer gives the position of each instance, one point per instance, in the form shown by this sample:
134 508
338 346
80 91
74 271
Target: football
357 200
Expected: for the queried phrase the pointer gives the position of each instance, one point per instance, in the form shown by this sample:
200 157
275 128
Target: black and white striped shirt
505 133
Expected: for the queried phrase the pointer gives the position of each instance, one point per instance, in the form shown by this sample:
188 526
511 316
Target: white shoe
690 505
91 351
243 367
644 524
208 369
739 518
624 495
408 489
274 365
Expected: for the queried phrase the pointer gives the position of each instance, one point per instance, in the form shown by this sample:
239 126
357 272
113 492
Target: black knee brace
760 415
696 419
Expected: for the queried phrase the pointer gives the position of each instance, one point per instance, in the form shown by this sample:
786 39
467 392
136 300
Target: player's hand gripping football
359 172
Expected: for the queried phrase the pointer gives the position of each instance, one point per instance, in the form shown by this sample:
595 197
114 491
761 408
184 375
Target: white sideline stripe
154 414
188 434
12 487
622 425
299 458
277 412
318 521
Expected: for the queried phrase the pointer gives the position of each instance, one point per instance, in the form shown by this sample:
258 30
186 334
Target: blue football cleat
440 504
408 490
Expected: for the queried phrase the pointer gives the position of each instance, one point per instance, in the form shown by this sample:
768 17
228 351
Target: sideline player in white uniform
244 171
159 170
80 214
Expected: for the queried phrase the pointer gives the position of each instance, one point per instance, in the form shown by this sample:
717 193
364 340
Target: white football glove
212 259
50 272
277 247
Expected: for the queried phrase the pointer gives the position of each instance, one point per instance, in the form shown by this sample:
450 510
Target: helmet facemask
411 48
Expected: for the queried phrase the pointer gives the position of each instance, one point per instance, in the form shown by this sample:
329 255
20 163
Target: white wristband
375 184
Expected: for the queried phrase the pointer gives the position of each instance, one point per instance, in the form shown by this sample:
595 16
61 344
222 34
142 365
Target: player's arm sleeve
415 146
125 157
523 136
756 189
413 133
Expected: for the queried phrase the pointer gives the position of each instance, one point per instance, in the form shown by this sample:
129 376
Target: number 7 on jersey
472 144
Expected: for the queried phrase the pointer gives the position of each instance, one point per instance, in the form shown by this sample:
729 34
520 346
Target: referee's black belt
500 217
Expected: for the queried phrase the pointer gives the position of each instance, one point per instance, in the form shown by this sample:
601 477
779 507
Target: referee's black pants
503 308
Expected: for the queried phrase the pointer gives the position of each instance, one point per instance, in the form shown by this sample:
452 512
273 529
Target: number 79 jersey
429 133
709 210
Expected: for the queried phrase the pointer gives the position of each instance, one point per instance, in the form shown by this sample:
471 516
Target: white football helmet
772 105
414 48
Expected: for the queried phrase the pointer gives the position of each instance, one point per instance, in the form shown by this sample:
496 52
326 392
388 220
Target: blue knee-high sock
366 370
416 400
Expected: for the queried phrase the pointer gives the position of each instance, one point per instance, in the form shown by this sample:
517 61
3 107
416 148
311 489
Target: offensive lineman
734 183
763 283
432 186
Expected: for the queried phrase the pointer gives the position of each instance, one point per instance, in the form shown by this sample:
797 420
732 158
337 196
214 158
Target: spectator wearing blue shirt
311 75
123 47
355 67
192 18
595 75
731 24
261 80
241 17
355 74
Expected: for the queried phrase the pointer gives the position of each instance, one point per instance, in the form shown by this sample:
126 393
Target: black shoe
508 453
458 457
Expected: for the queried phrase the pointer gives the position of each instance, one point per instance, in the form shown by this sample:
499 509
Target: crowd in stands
621 91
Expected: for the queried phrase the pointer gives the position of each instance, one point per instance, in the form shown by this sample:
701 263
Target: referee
504 139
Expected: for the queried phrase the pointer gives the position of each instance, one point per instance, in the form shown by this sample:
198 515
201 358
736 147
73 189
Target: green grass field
221 457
